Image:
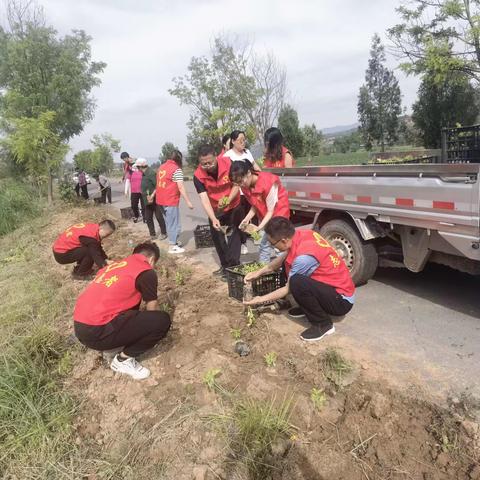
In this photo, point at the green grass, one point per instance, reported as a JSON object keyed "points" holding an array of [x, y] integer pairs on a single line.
{"points": [[250, 430], [335, 366], [18, 204]]}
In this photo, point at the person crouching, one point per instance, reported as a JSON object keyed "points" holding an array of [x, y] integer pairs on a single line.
{"points": [[318, 278], [82, 244], [107, 314]]}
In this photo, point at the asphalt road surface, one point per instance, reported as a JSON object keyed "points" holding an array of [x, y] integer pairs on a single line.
{"points": [[420, 326]]}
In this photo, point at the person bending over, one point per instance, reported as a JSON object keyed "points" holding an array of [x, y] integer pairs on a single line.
{"points": [[107, 314], [82, 244], [318, 278]]}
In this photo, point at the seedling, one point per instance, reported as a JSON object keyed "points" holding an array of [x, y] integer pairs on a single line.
{"points": [[271, 359], [318, 398], [210, 378], [166, 307], [251, 317], [335, 366], [181, 275], [224, 202], [236, 333], [248, 267], [256, 236]]}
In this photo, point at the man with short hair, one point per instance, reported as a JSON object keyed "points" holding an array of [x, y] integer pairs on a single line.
{"points": [[107, 314], [212, 182], [82, 244], [318, 278], [149, 186]]}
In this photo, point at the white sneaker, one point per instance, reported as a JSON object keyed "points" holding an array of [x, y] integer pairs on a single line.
{"points": [[175, 249], [130, 367], [244, 249]]}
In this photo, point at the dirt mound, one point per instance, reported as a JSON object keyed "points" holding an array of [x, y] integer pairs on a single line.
{"points": [[344, 424]]}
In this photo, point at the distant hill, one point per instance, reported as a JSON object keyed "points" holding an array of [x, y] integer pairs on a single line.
{"points": [[339, 130]]}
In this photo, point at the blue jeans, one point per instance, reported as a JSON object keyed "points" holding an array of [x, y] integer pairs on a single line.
{"points": [[172, 222], [266, 250]]}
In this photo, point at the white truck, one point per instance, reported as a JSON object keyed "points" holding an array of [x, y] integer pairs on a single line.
{"points": [[431, 211]]}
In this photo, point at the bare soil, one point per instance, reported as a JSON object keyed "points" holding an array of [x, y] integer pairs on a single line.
{"points": [[370, 428]]}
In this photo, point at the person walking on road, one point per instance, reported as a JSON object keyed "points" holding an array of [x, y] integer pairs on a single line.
{"points": [[82, 244], [318, 278], [127, 171], [169, 189], [149, 185], [221, 202], [267, 197], [136, 194], [276, 155], [107, 313], [83, 184]]}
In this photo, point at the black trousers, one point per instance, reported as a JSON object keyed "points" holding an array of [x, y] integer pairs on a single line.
{"points": [[318, 300], [228, 251], [246, 208], [77, 189], [84, 190], [80, 255], [107, 194], [157, 210], [135, 198], [133, 330]]}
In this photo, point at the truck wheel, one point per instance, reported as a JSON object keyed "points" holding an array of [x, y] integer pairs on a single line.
{"points": [[361, 257]]}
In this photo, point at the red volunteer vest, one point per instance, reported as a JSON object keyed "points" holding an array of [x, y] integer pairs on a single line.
{"points": [[167, 193], [332, 269], [111, 292], [221, 187], [258, 196], [70, 238], [278, 163]]}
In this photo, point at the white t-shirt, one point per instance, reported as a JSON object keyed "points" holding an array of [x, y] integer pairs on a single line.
{"points": [[236, 157]]}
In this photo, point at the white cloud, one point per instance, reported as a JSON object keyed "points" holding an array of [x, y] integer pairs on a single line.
{"points": [[323, 43]]}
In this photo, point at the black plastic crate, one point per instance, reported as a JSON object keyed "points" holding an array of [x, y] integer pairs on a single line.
{"points": [[202, 236], [126, 213], [260, 286]]}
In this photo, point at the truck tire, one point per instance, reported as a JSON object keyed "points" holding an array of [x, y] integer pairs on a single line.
{"points": [[361, 257]]}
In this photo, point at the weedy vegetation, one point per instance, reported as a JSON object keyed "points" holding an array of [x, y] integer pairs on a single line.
{"points": [[271, 359], [335, 366], [318, 398]]}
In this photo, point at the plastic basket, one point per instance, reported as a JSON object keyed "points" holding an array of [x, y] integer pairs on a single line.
{"points": [[261, 286], [202, 236]]}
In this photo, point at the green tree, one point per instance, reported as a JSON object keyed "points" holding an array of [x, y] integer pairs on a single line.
{"points": [[444, 104], [290, 127], [312, 141], [83, 160], [232, 89], [167, 150], [99, 159], [379, 101], [35, 145], [439, 37], [347, 143]]}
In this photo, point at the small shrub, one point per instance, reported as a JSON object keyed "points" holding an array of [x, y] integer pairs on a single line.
{"points": [[236, 333], [318, 398], [335, 366], [210, 377], [271, 359], [66, 191]]}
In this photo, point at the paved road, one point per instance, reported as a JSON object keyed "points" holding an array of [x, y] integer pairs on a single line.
{"points": [[422, 326]]}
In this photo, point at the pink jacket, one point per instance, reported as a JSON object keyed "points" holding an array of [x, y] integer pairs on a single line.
{"points": [[136, 181]]}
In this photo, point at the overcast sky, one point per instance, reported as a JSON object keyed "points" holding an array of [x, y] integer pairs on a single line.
{"points": [[324, 45]]}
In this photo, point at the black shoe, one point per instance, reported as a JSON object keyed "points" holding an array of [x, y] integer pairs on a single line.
{"points": [[85, 278], [220, 271], [296, 312], [315, 333], [135, 220]]}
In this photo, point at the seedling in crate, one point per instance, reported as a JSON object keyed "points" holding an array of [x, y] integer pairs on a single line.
{"points": [[248, 267], [251, 317], [271, 359], [236, 333], [224, 202], [318, 398]]}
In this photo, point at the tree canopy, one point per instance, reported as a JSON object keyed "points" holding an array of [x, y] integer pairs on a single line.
{"points": [[290, 127]]}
